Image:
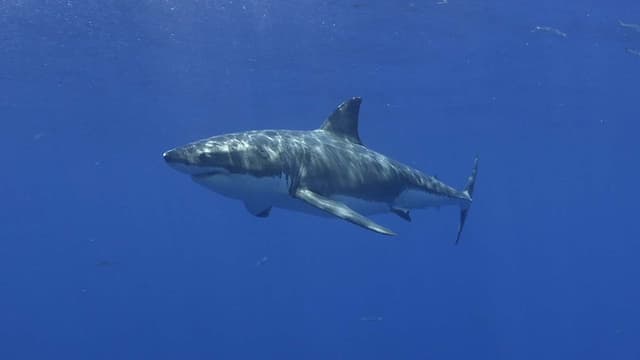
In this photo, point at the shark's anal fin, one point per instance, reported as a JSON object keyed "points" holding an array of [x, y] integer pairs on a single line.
{"points": [[258, 210], [403, 213], [339, 210]]}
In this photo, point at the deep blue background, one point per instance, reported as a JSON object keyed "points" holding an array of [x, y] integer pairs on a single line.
{"points": [[107, 253]]}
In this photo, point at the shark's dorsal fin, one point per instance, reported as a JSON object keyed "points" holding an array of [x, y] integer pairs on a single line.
{"points": [[344, 121]]}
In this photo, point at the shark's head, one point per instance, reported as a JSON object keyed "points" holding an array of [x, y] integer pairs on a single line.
{"points": [[201, 158], [221, 155]]}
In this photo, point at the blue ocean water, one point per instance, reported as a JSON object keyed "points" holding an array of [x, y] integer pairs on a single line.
{"points": [[107, 253]]}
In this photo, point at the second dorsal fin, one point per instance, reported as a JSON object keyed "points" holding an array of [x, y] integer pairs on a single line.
{"points": [[344, 120]]}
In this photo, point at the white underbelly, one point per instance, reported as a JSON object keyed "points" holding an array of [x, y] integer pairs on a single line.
{"points": [[274, 191], [418, 199], [246, 187]]}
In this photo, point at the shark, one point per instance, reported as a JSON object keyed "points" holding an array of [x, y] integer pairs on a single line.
{"points": [[327, 171], [635, 27]]}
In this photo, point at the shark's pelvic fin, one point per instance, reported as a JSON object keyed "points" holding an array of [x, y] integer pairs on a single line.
{"points": [[339, 209], [264, 213], [344, 120], [258, 210], [468, 189], [403, 213]]}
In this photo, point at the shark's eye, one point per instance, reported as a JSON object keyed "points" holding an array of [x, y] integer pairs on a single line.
{"points": [[213, 158]]}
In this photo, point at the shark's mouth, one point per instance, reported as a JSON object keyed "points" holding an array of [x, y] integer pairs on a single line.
{"points": [[209, 173]]}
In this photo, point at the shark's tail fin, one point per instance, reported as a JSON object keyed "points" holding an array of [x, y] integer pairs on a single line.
{"points": [[468, 190]]}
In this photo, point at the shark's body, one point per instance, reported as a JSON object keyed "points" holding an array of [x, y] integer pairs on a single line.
{"points": [[327, 171], [635, 27]]}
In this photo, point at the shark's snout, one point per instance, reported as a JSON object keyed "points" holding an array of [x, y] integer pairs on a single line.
{"points": [[178, 160], [192, 162], [175, 157], [172, 157]]}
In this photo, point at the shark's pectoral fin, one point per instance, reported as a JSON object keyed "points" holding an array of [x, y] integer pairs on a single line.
{"points": [[256, 209], [403, 213], [339, 209]]}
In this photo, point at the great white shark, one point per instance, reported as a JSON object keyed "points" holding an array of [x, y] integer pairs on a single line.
{"points": [[327, 171]]}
